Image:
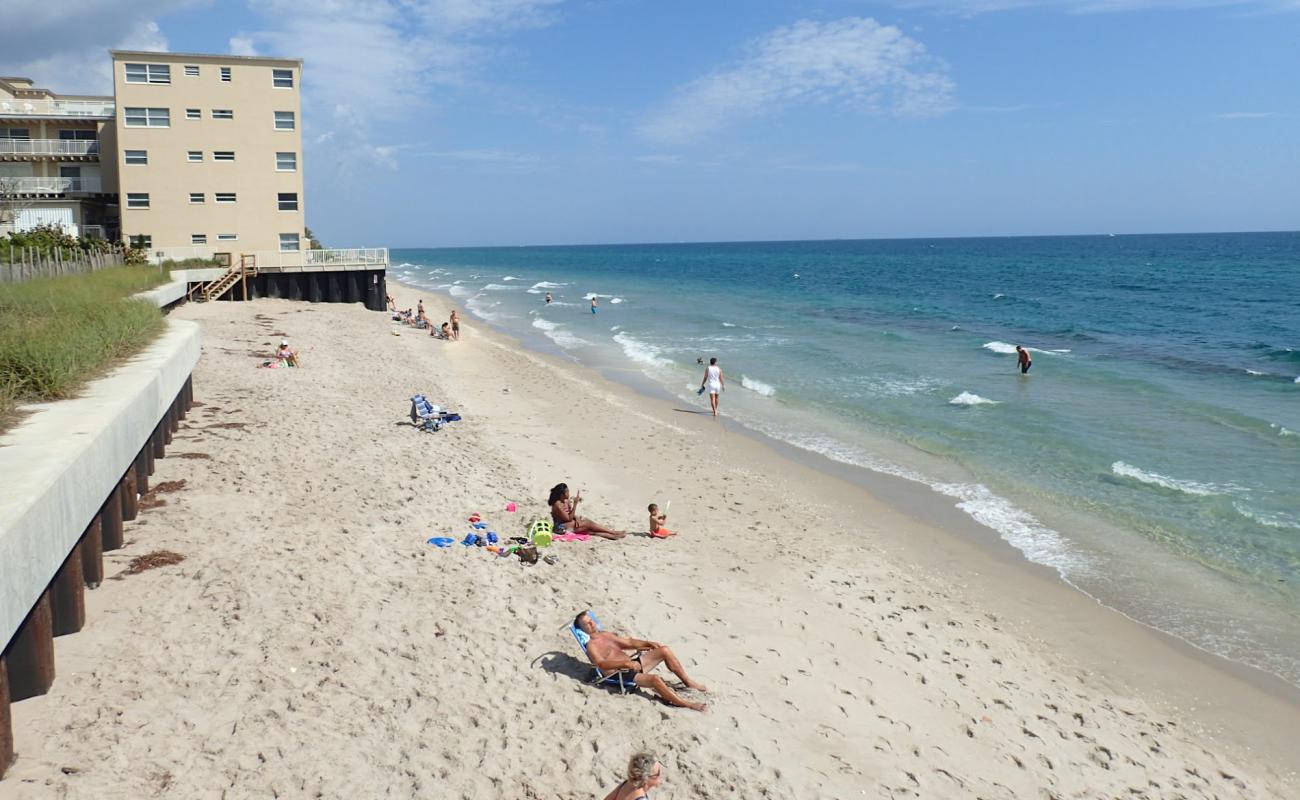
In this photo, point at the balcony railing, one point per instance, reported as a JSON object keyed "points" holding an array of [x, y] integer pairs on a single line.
{"points": [[26, 185], [292, 261], [49, 147], [56, 108]]}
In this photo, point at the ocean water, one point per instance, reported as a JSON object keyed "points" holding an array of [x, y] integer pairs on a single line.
{"points": [[1151, 456]]}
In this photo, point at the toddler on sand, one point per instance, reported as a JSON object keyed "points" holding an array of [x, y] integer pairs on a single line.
{"points": [[657, 528]]}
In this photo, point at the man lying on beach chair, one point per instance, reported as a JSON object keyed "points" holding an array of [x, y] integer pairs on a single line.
{"points": [[614, 667]]}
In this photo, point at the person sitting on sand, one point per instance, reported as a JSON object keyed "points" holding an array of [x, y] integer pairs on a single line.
{"points": [[644, 772], [566, 521], [657, 528], [442, 333], [609, 653], [288, 358]]}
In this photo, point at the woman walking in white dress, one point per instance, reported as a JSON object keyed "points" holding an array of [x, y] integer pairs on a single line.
{"points": [[714, 383]]}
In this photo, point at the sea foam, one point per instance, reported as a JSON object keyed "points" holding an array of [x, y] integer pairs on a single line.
{"points": [[641, 352], [1173, 484], [971, 399], [757, 386]]}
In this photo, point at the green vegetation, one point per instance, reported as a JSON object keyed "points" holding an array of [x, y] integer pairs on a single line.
{"points": [[192, 263], [43, 240], [58, 333]]}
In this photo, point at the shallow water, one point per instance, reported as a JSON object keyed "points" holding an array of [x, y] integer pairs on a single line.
{"points": [[1151, 456]]}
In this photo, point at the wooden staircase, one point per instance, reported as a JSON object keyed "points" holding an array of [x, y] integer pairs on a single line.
{"points": [[246, 268]]}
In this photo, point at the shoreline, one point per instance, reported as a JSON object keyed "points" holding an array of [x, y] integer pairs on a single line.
{"points": [[952, 528], [916, 500], [311, 642]]}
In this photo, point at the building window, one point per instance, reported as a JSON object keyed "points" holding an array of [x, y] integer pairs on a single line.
{"points": [[15, 133], [137, 157], [137, 117], [137, 200], [223, 155], [225, 74], [223, 113], [198, 238], [227, 237], [193, 113], [194, 156], [288, 243], [287, 201], [191, 70], [224, 197], [282, 78], [77, 134], [286, 162], [148, 73], [143, 241], [284, 121], [197, 197]]}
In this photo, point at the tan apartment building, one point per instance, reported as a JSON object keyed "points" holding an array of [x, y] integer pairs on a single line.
{"points": [[209, 153], [57, 161]]}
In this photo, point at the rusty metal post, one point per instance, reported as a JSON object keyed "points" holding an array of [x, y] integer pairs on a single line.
{"points": [[92, 553], [30, 656], [68, 595], [129, 486]]}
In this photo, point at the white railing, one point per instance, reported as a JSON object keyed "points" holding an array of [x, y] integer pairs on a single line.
{"points": [[300, 261], [56, 108], [26, 185], [49, 147]]}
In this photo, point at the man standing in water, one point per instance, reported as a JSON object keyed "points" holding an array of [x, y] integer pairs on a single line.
{"points": [[1023, 359], [593, 304], [713, 382], [548, 298]]}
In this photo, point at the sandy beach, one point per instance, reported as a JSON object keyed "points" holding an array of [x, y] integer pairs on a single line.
{"points": [[311, 644]]}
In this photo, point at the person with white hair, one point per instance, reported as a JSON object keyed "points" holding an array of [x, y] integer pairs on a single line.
{"points": [[288, 357], [644, 772]]}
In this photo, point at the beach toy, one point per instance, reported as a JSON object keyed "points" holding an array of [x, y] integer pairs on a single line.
{"points": [[469, 539], [474, 518], [494, 549], [441, 541], [491, 537], [511, 507], [541, 532], [478, 526]]}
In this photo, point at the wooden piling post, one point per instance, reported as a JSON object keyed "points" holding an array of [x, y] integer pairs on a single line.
{"points": [[6, 723], [30, 656], [68, 595], [158, 440], [129, 487], [92, 553], [112, 514]]}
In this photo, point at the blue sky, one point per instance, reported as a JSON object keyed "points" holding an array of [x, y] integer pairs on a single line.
{"points": [[502, 122]]}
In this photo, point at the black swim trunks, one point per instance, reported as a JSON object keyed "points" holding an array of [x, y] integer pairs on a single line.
{"points": [[1025, 367]]}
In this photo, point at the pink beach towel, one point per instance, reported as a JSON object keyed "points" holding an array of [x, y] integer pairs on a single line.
{"points": [[571, 537]]}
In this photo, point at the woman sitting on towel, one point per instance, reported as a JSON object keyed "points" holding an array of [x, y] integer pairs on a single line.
{"points": [[563, 514]]}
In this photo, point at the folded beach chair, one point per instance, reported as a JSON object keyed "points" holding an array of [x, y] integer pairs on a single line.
{"points": [[625, 680], [424, 415]]}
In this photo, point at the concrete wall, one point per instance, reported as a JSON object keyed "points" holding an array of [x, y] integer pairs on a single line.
{"points": [[61, 462]]}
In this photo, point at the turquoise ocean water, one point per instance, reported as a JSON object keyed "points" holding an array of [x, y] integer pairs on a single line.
{"points": [[1151, 456]]}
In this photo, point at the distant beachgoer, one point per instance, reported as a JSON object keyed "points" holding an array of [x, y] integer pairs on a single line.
{"points": [[420, 307], [548, 298], [288, 357], [713, 383], [608, 652], [455, 326], [644, 772], [657, 528], [593, 304], [392, 304], [1022, 356], [445, 331], [567, 521]]}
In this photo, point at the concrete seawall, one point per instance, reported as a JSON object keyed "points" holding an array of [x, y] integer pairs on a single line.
{"points": [[72, 471]]}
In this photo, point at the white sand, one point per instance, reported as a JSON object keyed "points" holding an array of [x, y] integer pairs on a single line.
{"points": [[312, 644]]}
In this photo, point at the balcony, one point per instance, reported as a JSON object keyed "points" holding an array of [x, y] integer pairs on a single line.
{"points": [[275, 261], [28, 186], [54, 148], [41, 109]]}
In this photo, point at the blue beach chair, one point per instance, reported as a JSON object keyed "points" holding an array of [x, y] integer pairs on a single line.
{"points": [[625, 680], [423, 414]]}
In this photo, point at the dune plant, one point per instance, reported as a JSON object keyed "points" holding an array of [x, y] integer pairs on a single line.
{"points": [[58, 333]]}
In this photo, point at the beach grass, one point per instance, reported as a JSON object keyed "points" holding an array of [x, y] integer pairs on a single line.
{"points": [[58, 333]]}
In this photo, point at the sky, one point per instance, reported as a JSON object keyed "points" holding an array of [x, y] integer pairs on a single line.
{"points": [[514, 122]]}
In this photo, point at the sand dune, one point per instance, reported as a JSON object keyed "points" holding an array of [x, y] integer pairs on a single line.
{"points": [[312, 644]]}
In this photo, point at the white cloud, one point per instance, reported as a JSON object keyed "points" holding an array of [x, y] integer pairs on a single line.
{"points": [[1248, 115], [55, 45], [242, 46], [972, 7], [854, 63]]}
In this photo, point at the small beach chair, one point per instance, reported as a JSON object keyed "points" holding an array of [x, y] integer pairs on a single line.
{"points": [[625, 680], [424, 415]]}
